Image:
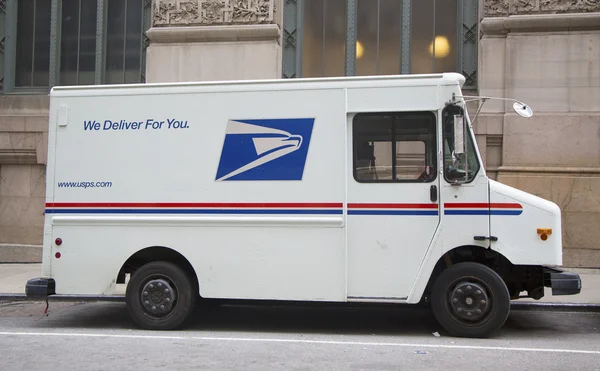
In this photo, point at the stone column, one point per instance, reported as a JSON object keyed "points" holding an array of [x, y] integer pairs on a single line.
{"points": [[194, 40], [547, 54]]}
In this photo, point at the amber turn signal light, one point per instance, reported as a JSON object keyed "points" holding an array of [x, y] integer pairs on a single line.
{"points": [[544, 232]]}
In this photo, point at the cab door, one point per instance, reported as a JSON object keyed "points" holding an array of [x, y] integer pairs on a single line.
{"points": [[393, 207]]}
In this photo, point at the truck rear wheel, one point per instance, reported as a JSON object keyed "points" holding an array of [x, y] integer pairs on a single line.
{"points": [[160, 296], [470, 300]]}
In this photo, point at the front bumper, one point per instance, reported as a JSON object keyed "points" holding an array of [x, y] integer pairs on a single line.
{"points": [[40, 288], [561, 282]]}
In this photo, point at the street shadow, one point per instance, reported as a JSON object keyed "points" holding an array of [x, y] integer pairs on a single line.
{"points": [[317, 319], [296, 318], [384, 320], [535, 323]]}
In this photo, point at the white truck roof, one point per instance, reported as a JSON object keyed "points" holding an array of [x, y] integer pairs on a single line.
{"points": [[450, 78]]}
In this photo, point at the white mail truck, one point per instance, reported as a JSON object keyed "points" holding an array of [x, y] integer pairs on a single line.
{"points": [[350, 189]]}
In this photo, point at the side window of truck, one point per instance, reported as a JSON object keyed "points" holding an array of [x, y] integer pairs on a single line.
{"points": [[394, 147], [462, 167]]}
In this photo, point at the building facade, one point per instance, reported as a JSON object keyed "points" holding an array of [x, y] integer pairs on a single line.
{"points": [[544, 52]]}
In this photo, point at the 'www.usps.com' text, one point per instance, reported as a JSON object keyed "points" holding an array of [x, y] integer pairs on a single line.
{"points": [[85, 184], [149, 124]]}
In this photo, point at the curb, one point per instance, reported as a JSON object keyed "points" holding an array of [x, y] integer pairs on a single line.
{"points": [[13, 297], [522, 306], [20, 254], [556, 307], [74, 298]]}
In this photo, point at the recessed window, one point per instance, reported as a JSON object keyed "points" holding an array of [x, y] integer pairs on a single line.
{"points": [[388, 37], [123, 41], [78, 60], [434, 44], [33, 43], [379, 32], [78, 42], [324, 38]]}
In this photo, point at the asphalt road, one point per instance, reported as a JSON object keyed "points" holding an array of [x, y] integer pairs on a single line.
{"points": [[100, 336]]}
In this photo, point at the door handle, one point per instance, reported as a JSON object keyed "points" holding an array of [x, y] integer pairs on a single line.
{"points": [[483, 238], [433, 193]]}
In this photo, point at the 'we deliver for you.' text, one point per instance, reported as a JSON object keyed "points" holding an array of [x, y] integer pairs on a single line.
{"points": [[149, 124]]}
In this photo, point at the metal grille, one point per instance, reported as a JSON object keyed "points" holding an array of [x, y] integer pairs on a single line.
{"points": [[351, 38], [146, 22], [2, 41], [100, 32], [468, 46], [292, 15], [405, 64]]}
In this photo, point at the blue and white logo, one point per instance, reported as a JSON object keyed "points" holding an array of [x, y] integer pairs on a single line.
{"points": [[270, 149]]}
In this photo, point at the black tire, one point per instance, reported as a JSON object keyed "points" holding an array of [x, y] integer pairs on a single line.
{"points": [[160, 296], [470, 288]]}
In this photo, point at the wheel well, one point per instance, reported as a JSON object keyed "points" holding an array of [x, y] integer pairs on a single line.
{"points": [[156, 253], [517, 278]]}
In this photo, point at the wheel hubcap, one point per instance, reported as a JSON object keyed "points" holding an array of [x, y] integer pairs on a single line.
{"points": [[158, 297], [469, 301]]}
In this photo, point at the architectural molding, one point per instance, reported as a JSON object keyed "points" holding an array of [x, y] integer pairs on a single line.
{"points": [[18, 156], [494, 140], [496, 8], [167, 35], [212, 12], [502, 8], [579, 171], [540, 23]]}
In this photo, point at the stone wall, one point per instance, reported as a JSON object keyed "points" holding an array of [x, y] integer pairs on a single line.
{"points": [[547, 54], [200, 40], [23, 151]]}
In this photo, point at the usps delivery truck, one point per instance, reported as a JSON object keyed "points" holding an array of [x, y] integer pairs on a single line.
{"points": [[353, 189]]}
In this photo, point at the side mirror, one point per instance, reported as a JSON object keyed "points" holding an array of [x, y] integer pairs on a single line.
{"points": [[522, 109], [459, 134]]}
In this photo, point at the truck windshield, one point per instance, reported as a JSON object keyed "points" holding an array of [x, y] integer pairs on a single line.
{"points": [[458, 167]]}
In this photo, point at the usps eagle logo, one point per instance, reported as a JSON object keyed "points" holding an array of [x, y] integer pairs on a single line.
{"points": [[269, 149]]}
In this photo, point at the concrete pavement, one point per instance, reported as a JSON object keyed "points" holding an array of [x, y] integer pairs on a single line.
{"points": [[14, 276], [100, 336]]}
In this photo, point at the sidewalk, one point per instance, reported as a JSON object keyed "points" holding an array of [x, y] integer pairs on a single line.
{"points": [[14, 276]]}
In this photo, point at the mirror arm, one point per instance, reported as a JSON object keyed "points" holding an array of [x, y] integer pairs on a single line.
{"points": [[519, 107], [478, 110]]}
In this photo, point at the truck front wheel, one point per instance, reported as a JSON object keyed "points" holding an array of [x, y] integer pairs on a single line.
{"points": [[160, 296], [470, 300]]}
